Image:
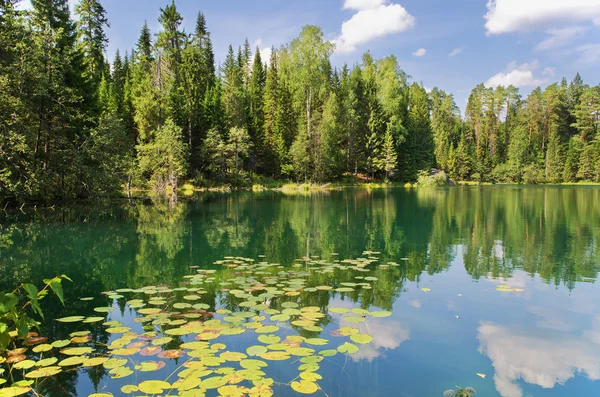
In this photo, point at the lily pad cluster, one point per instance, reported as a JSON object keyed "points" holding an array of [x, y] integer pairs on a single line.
{"points": [[266, 303]]}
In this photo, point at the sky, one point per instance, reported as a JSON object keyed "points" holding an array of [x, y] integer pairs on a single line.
{"points": [[450, 44]]}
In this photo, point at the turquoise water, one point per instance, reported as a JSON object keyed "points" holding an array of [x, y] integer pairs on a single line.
{"points": [[495, 281]]}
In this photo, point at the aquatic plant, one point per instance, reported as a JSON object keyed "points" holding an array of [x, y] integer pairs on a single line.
{"points": [[460, 392], [16, 308], [272, 306]]}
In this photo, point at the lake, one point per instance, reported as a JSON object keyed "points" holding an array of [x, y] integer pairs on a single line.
{"points": [[384, 292]]}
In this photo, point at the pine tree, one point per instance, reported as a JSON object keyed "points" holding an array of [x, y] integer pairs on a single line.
{"points": [[274, 146], [388, 158], [417, 152], [332, 134], [118, 83], [143, 52], [233, 91], [62, 96], [92, 37], [255, 112]]}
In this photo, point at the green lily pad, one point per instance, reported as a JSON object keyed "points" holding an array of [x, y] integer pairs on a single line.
{"points": [[113, 363], [362, 339], [348, 348], [89, 320], [328, 353], [317, 341], [380, 314], [267, 329], [71, 319], [269, 339], [338, 310], [59, 344], [120, 372], [104, 309], [256, 350]]}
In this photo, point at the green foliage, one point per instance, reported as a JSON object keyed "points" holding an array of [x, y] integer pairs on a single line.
{"points": [[164, 161], [305, 119], [429, 179], [19, 307]]}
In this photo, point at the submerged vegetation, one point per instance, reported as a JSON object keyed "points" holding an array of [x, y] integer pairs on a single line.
{"points": [[161, 115]]}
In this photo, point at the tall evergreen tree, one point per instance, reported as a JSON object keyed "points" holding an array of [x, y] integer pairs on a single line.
{"points": [[91, 26], [255, 112]]}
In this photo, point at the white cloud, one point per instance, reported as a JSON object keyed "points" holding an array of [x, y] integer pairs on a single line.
{"points": [[363, 4], [373, 23], [549, 71], [456, 51], [265, 55], [544, 359], [506, 16], [421, 52], [517, 75], [559, 37]]}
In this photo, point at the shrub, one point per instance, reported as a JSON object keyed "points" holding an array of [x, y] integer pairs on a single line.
{"points": [[427, 179]]}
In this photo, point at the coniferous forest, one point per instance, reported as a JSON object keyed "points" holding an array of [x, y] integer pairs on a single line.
{"points": [[74, 125]]}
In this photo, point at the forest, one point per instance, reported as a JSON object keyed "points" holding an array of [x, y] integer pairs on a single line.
{"points": [[74, 124]]}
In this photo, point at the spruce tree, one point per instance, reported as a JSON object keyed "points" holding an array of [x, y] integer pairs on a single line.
{"points": [[91, 26]]}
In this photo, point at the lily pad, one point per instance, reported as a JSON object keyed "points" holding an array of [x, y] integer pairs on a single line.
{"points": [[275, 356], [305, 387], [348, 348], [380, 314], [71, 319], [43, 372], [362, 339], [76, 351], [154, 386]]}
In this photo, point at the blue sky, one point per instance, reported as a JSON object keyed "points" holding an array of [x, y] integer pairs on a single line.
{"points": [[450, 44]]}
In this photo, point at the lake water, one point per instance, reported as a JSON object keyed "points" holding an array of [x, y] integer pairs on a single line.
{"points": [[488, 287]]}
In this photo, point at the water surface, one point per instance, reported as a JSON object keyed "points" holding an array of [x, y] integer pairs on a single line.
{"points": [[498, 281]]}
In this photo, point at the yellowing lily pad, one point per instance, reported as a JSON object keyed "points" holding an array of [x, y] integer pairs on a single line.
{"points": [[305, 387], [154, 386], [76, 351], [71, 361], [42, 348], [14, 391], [275, 356], [43, 372]]}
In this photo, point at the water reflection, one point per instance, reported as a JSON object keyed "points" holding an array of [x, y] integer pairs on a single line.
{"points": [[549, 235], [543, 359]]}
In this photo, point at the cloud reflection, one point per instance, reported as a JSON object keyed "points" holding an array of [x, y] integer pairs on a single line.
{"points": [[387, 335], [542, 359]]}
